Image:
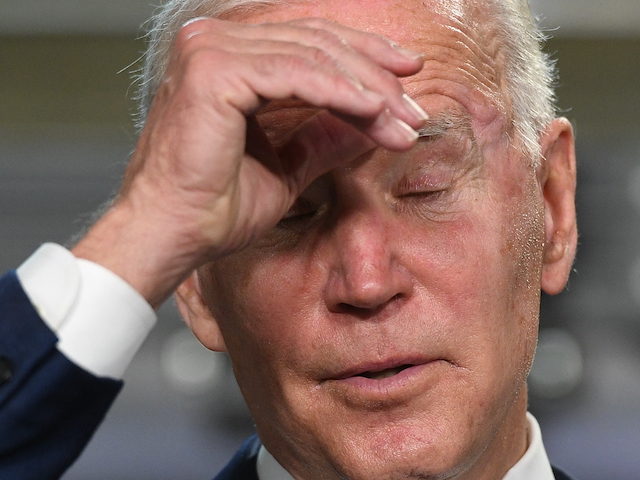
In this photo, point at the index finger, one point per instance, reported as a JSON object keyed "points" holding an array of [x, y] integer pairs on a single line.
{"points": [[387, 53]]}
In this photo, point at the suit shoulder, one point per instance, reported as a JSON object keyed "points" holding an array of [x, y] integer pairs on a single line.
{"points": [[243, 464], [560, 475]]}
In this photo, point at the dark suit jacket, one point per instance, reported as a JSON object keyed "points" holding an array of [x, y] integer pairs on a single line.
{"points": [[50, 407], [560, 475]]}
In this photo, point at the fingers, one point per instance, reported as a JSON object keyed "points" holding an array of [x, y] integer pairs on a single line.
{"points": [[386, 53], [318, 145], [333, 52], [318, 32], [204, 173], [282, 77], [352, 73]]}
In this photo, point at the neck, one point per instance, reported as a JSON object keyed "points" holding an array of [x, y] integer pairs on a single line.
{"points": [[509, 444]]}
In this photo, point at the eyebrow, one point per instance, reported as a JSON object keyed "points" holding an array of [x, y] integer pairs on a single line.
{"points": [[454, 121], [443, 123]]}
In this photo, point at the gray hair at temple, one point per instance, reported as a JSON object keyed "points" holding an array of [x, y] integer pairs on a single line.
{"points": [[528, 72]]}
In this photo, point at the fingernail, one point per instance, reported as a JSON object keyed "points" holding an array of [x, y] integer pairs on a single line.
{"points": [[410, 54], [405, 130], [416, 109], [193, 20]]}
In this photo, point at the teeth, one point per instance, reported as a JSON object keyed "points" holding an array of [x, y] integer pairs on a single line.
{"points": [[390, 372]]}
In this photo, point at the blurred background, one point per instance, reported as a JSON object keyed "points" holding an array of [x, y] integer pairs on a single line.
{"points": [[65, 135]]}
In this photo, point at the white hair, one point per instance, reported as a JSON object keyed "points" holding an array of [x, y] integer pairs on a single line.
{"points": [[528, 73], [163, 27]]}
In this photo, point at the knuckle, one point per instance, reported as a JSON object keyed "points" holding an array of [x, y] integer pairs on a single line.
{"points": [[326, 39], [193, 29], [320, 32], [341, 82], [188, 31], [313, 22], [197, 59], [196, 20], [319, 56], [201, 63], [334, 85], [283, 62]]}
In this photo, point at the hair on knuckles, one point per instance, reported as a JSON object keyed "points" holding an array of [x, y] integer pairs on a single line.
{"points": [[529, 73]]}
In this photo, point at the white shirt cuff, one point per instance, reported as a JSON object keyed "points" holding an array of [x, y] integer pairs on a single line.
{"points": [[100, 320], [51, 279]]}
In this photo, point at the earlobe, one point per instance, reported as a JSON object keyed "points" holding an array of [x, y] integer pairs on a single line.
{"points": [[558, 184], [197, 314]]}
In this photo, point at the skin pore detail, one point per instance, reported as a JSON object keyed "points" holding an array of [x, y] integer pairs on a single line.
{"points": [[426, 178], [374, 275], [425, 184], [460, 43], [401, 328]]}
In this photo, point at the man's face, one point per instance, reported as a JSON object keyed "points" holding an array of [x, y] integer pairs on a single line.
{"points": [[386, 328]]}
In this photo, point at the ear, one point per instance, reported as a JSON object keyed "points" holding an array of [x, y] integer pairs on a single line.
{"points": [[197, 314], [557, 178]]}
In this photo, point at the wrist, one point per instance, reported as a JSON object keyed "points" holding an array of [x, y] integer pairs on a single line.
{"points": [[143, 247]]}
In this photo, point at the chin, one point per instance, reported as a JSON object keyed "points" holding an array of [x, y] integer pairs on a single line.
{"points": [[419, 463], [418, 450]]}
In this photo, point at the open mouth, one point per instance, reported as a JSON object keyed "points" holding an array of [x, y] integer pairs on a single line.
{"points": [[382, 374], [375, 385]]}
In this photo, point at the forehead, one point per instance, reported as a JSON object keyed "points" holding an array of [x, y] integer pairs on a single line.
{"points": [[399, 20], [462, 56]]}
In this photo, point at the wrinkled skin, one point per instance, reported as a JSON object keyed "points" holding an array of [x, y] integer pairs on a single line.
{"points": [[433, 258]]}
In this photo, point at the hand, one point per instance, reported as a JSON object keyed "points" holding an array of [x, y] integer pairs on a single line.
{"points": [[204, 179]]}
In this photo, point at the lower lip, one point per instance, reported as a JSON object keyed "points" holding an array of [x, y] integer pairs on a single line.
{"points": [[386, 388]]}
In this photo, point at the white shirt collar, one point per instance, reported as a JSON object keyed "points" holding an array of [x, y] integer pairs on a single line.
{"points": [[534, 465], [269, 468]]}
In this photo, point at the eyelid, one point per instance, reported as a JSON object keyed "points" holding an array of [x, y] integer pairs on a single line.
{"points": [[300, 207], [422, 183]]}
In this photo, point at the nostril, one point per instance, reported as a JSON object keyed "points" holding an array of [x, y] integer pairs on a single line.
{"points": [[353, 310], [366, 289], [362, 310]]}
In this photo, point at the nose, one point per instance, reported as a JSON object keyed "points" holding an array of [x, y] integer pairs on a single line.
{"points": [[367, 273]]}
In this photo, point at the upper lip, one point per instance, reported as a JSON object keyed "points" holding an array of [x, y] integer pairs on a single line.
{"points": [[379, 366]]}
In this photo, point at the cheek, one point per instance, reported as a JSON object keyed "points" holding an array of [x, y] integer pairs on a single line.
{"points": [[516, 268], [261, 306], [482, 272], [266, 315]]}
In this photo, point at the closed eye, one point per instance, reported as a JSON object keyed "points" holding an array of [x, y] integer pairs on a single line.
{"points": [[300, 211], [427, 186], [424, 194]]}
